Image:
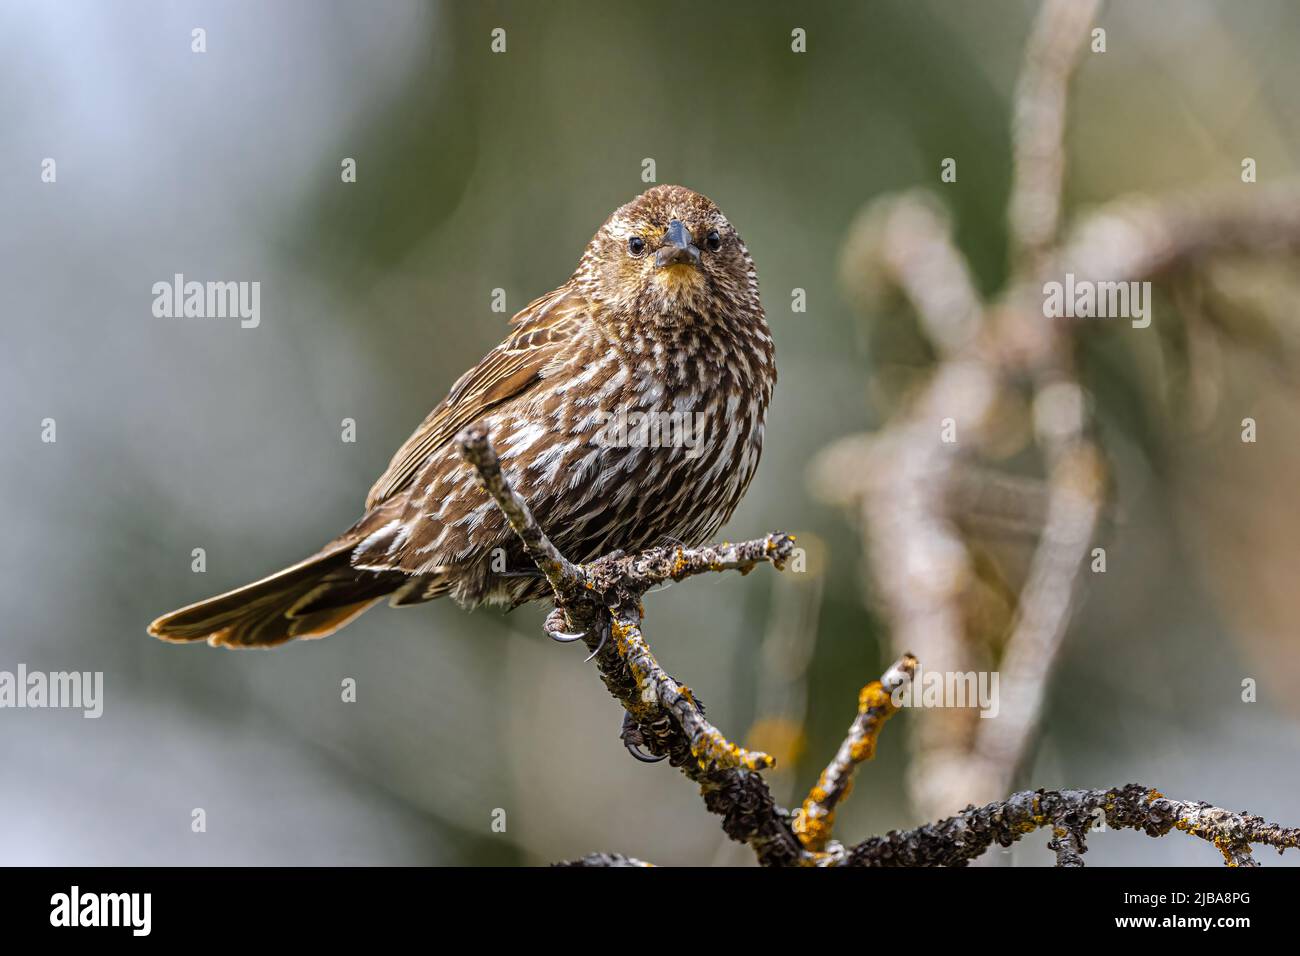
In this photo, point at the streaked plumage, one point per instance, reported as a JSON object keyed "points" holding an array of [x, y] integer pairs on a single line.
{"points": [[675, 328]]}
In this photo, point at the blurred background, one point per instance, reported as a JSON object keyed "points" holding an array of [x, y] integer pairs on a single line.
{"points": [[478, 171]]}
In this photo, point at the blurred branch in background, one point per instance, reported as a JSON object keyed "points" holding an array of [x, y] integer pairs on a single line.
{"points": [[912, 480], [781, 694]]}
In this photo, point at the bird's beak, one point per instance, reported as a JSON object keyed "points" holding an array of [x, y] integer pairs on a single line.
{"points": [[677, 248]]}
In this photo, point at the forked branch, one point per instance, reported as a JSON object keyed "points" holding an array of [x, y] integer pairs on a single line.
{"points": [[667, 719], [663, 716]]}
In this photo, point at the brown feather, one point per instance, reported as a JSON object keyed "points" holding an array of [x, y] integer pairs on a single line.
{"points": [[622, 337], [509, 369]]}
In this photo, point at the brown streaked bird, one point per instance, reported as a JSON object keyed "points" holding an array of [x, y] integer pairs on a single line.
{"points": [[661, 318]]}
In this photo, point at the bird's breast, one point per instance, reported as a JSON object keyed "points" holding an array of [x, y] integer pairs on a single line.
{"points": [[642, 444]]}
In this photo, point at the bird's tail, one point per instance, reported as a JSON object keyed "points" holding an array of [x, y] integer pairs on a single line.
{"points": [[313, 598]]}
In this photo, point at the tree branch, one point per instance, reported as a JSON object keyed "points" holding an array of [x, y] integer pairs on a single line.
{"points": [[565, 578], [815, 820], [1071, 813], [667, 719]]}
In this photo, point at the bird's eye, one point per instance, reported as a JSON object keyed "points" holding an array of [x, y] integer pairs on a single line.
{"points": [[636, 245], [713, 241]]}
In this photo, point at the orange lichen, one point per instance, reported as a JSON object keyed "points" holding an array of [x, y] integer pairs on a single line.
{"points": [[1222, 843], [814, 821], [875, 697], [813, 827], [863, 750], [622, 634], [712, 749]]}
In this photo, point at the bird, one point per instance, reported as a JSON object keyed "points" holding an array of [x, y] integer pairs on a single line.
{"points": [[627, 408]]}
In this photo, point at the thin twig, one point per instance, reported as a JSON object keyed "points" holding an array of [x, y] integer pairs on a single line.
{"points": [[564, 577], [816, 819], [708, 746]]}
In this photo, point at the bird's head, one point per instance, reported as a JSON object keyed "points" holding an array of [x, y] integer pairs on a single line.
{"points": [[669, 255]]}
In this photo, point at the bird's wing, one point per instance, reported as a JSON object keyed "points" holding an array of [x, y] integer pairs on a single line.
{"points": [[541, 331]]}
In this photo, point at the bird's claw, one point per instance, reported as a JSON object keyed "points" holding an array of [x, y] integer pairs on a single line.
{"points": [[604, 636], [633, 739], [554, 627], [642, 756], [557, 621]]}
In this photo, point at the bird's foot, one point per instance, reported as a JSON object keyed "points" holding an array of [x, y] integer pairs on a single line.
{"points": [[634, 740], [557, 621], [555, 625]]}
